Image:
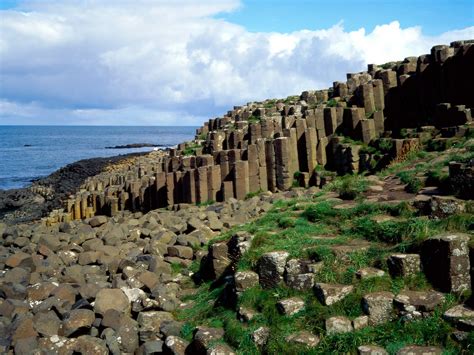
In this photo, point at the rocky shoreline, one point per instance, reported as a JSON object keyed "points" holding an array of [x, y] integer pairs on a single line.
{"points": [[36, 201], [335, 221]]}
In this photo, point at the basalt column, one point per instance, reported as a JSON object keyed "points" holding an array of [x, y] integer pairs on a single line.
{"points": [[282, 162]]}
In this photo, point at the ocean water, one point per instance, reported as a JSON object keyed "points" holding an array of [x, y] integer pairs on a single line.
{"points": [[52, 147]]}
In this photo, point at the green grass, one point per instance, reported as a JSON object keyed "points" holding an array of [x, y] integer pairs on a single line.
{"points": [[310, 227], [349, 186]]}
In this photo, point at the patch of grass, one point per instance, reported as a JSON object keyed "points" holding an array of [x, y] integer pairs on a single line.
{"points": [[349, 186]]}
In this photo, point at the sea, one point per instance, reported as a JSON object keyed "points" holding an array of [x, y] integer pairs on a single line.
{"points": [[31, 152]]}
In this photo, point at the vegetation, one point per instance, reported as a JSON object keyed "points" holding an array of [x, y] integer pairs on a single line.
{"points": [[316, 227]]}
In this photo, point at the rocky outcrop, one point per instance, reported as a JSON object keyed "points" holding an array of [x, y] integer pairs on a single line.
{"points": [[274, 144]]}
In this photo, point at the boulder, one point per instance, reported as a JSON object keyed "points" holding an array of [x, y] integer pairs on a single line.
{"points": [[303, 338], [360, 322], [244, 280], [290, 306], [337, 325], [260, 336], [403, 265], [204, 337], [378, 306], [77, 319], [109, 298], [97, 221], [271, 267], [446, 262], [180, 251], [329, 294], [175, 345]]}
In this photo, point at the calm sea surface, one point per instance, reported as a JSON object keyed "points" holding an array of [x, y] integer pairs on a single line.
{"points": [[52, 147]]}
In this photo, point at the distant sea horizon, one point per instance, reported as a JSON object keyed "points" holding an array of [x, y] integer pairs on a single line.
{"points": [[30, 152]]}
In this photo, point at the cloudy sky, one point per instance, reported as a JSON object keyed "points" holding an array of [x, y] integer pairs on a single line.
{"points": [[179, 62]]}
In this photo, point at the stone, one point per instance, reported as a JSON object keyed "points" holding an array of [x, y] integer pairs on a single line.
{"points": [[204, 337], [338, 325], [420, 350], [97, 221], [371, 350], [271, 267], [423, 301], [180, 251], [175, 345], [446, 264], [329, 294], [360, 322], [111, 299], [152, 347], [290, 306], [245, 314], [461, 316], [244, 280], [304, 338], [403, 265], [150, 322], [77, 319], [378, 306], [47, 324], [260, 336], [220, 349], [444, 206], [369, 272]]}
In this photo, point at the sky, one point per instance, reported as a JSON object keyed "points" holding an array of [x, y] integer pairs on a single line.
{"points": [[181, 62]]}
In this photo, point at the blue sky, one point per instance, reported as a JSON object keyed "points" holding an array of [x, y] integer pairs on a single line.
{"points": [[435, 16], [159, 62]]}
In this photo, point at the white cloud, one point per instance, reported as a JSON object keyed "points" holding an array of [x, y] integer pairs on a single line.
{"points": [[162, 62]]}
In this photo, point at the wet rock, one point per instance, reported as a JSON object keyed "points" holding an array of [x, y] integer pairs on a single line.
{"points": [[337, 325], [403, 265], [290, 306], [260, 336], [371, 350], [329, 294], [420, 350], [244, 280], [378, 306], [271, 267], [111, 299]]}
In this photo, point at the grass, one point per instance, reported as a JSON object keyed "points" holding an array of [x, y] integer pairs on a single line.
{"points": [[349, 186], [310, 227]]}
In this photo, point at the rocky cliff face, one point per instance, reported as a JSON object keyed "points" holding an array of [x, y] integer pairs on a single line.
{"points": [[274, 144]]}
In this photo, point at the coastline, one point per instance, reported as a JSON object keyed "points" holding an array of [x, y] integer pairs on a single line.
{"points": [[32, 202]]}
